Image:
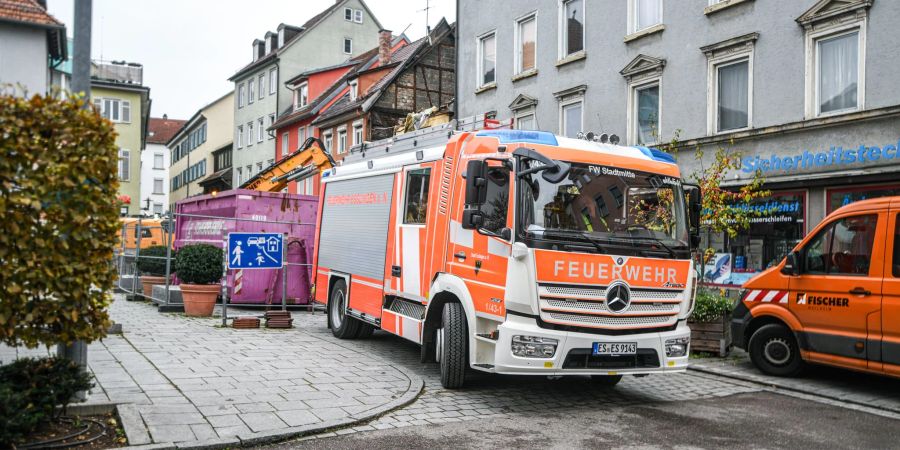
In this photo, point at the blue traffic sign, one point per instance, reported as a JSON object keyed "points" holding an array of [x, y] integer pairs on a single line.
{"points": [[255, 250]]}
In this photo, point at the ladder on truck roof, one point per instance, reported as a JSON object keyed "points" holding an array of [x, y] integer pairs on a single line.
{"points": [[437, 135]]}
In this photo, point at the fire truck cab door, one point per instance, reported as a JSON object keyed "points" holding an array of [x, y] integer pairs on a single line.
{"points": [[838, 292], [480, 257]]}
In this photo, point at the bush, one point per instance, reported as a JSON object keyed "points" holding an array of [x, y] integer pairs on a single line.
{"points": [[710, 306], [153, 266], [30, 391], [60, 220], [199, 264]]}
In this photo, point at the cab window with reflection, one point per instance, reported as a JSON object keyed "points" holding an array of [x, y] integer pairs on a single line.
{"points": [[416, 196], [843, 247], [496, 206]]}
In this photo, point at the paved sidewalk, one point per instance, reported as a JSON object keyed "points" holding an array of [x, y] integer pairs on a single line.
{"points": [[837, 384], [192, 382]]}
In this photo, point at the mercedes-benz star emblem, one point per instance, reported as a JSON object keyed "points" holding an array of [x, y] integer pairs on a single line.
{"points": [[618, 297]]}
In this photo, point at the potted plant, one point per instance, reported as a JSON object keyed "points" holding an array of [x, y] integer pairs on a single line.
{"points": [[153, 268], [199, 267], [711, 322]]}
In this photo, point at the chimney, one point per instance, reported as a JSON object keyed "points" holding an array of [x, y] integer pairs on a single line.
{"points": [[42, 4], [384, 46], [165, 117]]}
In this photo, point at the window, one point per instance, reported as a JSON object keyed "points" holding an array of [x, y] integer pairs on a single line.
{"points": [[570, 118], [837, 73], [251, 91], [262, 85], [249, 134], [646, 117], [259, 167], [241, 96], [526, 121], [354, 89], [158, 186], [240, 176], [843, 247], [240, 136], [496, 205], [348, 14], [270, 162], [645, 14], [158, 208], [301, 136], [732, 93], [571, 27], [896, 260], [302, 95], [526, 43], [273, 80], [342, 141], [124, 165], [269, 125], [285, 139], [348, 45], [249, 171], [487, 59], [416, 208], [159, 161], [327, 138], [114, 109], [358, 16], [357, 133], [259, 130]]}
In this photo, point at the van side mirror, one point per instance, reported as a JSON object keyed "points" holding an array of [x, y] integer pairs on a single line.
{"points": [[472, 219], [476, 182], [791, 265]]}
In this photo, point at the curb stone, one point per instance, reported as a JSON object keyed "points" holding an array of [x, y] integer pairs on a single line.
{"points": [[210, 444], [163, 446]]}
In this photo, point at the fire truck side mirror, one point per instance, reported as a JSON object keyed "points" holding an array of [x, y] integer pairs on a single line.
{"points": [[472, 219], [695, 206], [476, 182]]}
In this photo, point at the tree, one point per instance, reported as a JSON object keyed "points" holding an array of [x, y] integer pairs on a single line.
{"points": [[59, 212]]}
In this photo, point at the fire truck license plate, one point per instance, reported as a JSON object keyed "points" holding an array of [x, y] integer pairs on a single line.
{"points": [[619, 348]]}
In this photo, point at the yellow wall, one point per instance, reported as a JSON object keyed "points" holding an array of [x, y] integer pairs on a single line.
{"points": [[129, 138], [219, 117]]}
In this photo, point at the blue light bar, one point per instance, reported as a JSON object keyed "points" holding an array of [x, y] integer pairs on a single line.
{"points": [[510, 136], [657, 154]]}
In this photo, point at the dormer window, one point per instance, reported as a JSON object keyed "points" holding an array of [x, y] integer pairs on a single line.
{"points": [[268, 45], [301, 96], [354, 89], [281, 38]]}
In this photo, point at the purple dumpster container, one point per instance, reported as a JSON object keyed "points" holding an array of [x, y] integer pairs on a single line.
{"points": [[208, 219]]}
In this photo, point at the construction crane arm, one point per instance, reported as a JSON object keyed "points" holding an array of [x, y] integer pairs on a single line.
{"points": [[310, 159]]}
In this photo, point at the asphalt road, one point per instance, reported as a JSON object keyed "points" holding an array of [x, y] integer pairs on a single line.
{"points": [[753, 420]]}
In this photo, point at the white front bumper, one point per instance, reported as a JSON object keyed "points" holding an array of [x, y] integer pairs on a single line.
{"points": [[506, 363]]}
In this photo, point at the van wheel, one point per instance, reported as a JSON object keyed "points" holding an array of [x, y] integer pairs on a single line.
{"points": [[451, 346], [774, 350], [342, 326], [606, 380]]}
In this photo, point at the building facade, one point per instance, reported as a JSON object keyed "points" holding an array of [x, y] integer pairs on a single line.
{"points": [[29, 39], [118, 94], [802, 91], [192, 147], [345, 29], [155, 165]]}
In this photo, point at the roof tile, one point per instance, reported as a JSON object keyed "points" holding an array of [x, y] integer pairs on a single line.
{"points": [[28, 11]]}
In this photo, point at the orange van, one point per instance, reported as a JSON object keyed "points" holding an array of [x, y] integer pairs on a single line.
{"points": [[151, 233], [835, 299]]}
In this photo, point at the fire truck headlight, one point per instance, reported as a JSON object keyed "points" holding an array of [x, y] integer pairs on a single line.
{"points": [[533, 346], [677, 347]]}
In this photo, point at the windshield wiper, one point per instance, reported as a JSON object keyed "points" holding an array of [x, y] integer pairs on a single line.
{"points": [[654, 240], [574, 233]]}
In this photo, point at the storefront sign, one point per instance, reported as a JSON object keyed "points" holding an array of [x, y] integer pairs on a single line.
{"points": [[808, 161]]}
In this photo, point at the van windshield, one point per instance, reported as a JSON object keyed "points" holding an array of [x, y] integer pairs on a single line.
{"points": [[606, 207]]}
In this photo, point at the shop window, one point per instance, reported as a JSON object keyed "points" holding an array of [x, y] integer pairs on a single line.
{"points": [[843, 247], [844, 196], [416, 196]]}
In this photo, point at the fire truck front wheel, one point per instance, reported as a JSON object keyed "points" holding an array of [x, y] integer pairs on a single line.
{"points": [[342, 326], [451, 346], [774, 350]]}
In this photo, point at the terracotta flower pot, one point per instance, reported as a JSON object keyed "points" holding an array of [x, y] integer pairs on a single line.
{"points": [[147, 283], [199, 299]]}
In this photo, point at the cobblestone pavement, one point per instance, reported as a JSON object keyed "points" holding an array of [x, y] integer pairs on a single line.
{"points": [[191, 380], [838, 384]]}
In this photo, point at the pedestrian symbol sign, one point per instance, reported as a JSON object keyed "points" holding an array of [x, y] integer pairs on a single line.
{"points": [[255, 250]]}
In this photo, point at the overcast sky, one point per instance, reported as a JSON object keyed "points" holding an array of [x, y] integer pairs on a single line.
{"points": [[190, 47]]}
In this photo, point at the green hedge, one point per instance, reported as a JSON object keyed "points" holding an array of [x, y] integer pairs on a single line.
{"points": [[199, 264], [710, 306], [152, 265], [30, 391], [60, 216]]}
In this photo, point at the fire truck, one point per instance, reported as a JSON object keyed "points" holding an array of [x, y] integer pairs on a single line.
{"points": [[511, 252]]}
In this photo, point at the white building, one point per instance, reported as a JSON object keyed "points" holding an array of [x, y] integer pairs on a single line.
{"points": [[155, 165]]}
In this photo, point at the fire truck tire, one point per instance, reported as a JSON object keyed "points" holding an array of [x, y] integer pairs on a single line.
{"points": [[452, 346], [606, 380], [774, 350], [365, 331], [342, 325]]}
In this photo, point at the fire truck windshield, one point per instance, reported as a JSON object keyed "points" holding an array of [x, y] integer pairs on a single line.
{"points": [[614, 210]]}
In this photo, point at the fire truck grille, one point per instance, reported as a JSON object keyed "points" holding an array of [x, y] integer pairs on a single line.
{"points": [[584, 306]]}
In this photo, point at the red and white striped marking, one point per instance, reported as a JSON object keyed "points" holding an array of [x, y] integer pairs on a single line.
{"points": [[238, 281], [766, 296]]}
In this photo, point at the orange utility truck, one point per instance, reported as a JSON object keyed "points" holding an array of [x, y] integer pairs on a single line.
{"points": [[835, 299], [513, 252]]}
